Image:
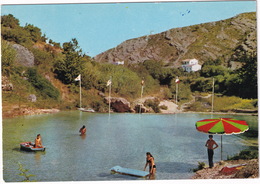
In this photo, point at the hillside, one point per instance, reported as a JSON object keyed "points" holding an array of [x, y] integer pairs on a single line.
{"points": [[38, 73], [225, 40]]}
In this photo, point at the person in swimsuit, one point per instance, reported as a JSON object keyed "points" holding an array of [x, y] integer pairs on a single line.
{"points": [[38, 141], [150, 161], [82, 130], [210, 145]]}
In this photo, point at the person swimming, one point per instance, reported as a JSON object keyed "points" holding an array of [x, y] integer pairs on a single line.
{"points": [[82, 130]]}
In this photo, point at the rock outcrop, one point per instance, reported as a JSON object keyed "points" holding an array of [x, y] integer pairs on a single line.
{"points": [[6, 84], [119, 104], [24, 56]]}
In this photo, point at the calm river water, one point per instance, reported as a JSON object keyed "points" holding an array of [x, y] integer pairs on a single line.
{"points": [[118, 139]]}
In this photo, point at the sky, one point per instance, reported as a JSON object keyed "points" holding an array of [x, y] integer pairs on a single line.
{"points": [[102, 26]]}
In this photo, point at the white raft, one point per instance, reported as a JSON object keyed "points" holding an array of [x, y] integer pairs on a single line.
{"points": [[127, 171]]}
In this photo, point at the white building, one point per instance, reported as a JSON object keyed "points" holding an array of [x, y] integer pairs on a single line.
{"points": [[191, 65], [119, 63]]}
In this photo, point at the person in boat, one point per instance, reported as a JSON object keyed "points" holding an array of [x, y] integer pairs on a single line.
{"points": [[82, 130], [38, 141], [210, 145], [150, 162]]}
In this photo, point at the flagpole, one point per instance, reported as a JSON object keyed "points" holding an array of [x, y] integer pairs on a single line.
{"points": [[212, 106], [140, 110], [80, 94], [142, 90], [177, 91], [79, 79], [109, 103]]}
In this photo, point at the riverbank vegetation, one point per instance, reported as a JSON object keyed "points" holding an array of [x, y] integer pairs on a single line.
{"points": [[52, 77]]}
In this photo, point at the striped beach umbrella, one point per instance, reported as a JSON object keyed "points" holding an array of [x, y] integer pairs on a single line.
{"points": [[222, 126]]}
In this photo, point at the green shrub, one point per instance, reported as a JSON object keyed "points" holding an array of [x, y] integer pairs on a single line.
{"points": [[8, 57], [164, 107], [201, 165], [154, 104], [245, 154], [42, 85]]}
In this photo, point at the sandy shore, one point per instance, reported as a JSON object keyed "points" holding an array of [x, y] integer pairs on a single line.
{"points": [[171, 107]]}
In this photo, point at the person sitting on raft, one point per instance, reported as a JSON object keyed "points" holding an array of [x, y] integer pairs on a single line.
{"points": [[82, 130], [38, 141]]}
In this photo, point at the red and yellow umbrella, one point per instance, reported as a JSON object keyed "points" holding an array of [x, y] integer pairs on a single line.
{"points": [[222, 126]]}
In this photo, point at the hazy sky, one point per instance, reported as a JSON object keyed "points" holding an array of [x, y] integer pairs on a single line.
{"points": [[99, 27]]}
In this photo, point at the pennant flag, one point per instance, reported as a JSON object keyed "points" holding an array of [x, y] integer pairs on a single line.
{"points": [[177, 81], [78, 78], [142, 83], [109, 82]]}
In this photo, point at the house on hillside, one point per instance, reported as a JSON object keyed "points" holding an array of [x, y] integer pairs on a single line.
{"points": [[191, 65], [119, 62]]}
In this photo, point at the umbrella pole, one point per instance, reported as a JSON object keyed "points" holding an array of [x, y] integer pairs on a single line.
{"points": [[221, 147]]}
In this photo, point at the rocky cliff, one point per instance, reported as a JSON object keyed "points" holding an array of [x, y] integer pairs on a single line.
{"points": [[225, 40]]}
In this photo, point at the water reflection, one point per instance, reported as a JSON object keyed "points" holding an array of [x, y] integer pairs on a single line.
{"points": [[83, 136], [37, 156]]}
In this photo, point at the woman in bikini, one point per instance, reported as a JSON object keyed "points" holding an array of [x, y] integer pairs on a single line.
{"points": [[150, 161]]}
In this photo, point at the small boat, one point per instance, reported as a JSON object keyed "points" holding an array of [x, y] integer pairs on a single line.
{"points": [[29, 146], [87, 110]]}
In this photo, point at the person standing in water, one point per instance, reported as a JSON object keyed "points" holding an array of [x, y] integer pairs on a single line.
{"points": [[38, 141], [150, 161], [82, 130], [210, 145]]}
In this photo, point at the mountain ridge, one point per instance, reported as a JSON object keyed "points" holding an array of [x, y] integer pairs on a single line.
{"points": [[224, 40]]}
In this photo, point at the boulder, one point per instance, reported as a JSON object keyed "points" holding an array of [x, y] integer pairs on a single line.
{"points": [[119, 104], [143, 109], [24, 56], [32, 98]]}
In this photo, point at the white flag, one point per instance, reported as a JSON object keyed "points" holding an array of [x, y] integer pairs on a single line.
{"points": [[177, 81], [109, 82], [142, 82], [78, 78]]}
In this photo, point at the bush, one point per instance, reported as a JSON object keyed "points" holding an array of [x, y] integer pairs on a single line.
{"points": [[226, 103], [164, 107], [201, 165], [154, 104], [42, 85], [245, 154], [8, 57]]}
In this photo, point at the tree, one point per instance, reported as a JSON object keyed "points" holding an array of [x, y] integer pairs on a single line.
{"points": [[69, 67], [158, 72], [8, 57], [35, 32], [9, 21], [248, 76]]}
